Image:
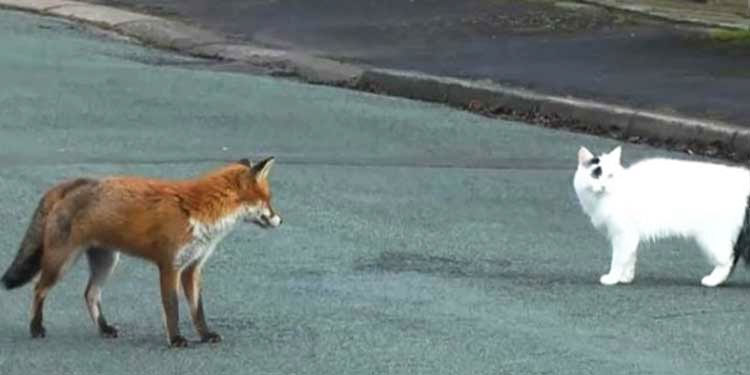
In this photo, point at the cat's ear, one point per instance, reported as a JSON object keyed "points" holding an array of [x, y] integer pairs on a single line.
{"points": [[616, 154], [584, 155]]}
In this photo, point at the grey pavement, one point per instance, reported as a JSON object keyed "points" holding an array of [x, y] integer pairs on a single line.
{"points": [[563, 49], [417, 239]]}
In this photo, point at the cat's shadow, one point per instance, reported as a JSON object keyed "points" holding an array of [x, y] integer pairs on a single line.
{"points": [[655, 281], [592, 280]]}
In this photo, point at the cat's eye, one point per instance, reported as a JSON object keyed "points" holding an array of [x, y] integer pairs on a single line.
{"points": [[597, 172]]}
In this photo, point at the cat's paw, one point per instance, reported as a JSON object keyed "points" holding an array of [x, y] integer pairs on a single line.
{"points": [[711, 281], [609, 279], [627, 279]]}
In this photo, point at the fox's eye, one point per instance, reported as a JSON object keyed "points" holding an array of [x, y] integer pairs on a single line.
{"points": [[610, 175]]}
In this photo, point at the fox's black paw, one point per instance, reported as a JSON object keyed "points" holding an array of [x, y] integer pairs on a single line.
{"points": [[38, 331], [108, 331], [178, 342], [211, 337]]}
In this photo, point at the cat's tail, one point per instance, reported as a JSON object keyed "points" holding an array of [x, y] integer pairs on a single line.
{"points": [[742, 245]]}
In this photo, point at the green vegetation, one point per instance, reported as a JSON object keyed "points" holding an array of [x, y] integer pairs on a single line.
{"points": [[731, 36]]}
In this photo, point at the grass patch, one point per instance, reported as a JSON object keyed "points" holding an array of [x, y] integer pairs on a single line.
{"points": [[731, 36]]}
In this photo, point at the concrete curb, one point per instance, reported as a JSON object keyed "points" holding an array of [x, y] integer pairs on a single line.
{"points": [[484, 97], [193, 40], [738, 23], [622, 122]]}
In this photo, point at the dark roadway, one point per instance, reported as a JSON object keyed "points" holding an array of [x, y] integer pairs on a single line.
{"points": [[584, 52]]}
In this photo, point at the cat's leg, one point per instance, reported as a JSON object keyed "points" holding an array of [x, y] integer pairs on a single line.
{"points": [[721, 254], [629, 269], [624, 254]]}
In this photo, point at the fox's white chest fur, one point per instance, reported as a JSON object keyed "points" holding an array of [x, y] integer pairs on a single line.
{"points": [[205, 237], [658, 198]]}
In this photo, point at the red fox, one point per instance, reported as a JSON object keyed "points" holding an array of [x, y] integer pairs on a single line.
{"points": [[174, 224]]}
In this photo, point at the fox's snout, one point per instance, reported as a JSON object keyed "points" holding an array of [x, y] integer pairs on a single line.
{"points": [[273, 220], [266, 218], [268, 221]]}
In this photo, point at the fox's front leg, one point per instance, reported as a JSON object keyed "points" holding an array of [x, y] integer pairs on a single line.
{"points": [[624, 252], [191, 285], [170, 283]]}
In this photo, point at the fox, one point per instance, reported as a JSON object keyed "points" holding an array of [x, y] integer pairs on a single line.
{"points": [[174, 224]]}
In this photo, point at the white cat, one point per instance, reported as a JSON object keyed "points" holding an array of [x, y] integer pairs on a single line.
{"points": [[657, 198]]}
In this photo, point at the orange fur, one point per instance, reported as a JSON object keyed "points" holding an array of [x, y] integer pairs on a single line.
{"points": [[174, 224], [149, 218]]}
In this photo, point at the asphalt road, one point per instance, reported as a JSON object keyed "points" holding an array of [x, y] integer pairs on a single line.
{"points": [[417, 239], [563, 50]]}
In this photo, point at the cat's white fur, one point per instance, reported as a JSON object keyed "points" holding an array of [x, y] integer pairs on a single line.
{"points": [[657, 198]]}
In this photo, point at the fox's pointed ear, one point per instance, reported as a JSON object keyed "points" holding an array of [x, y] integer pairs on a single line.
{"points": [[245, 162], [584, 155], [260, 170], [616, 153]]}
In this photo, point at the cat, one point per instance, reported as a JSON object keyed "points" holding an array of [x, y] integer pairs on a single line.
{"points": [[660, 198]]}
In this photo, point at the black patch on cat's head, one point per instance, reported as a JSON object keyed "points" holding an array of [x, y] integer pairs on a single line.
{"points": [[593, 161], [597, 172]]}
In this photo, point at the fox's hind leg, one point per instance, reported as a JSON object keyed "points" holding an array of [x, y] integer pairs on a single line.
{"points": [[42, 287], [63, 240], [101, 263], [55, 261]]}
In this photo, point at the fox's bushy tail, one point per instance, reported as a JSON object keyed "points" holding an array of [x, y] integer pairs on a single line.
{"points": [[27, 262]]}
